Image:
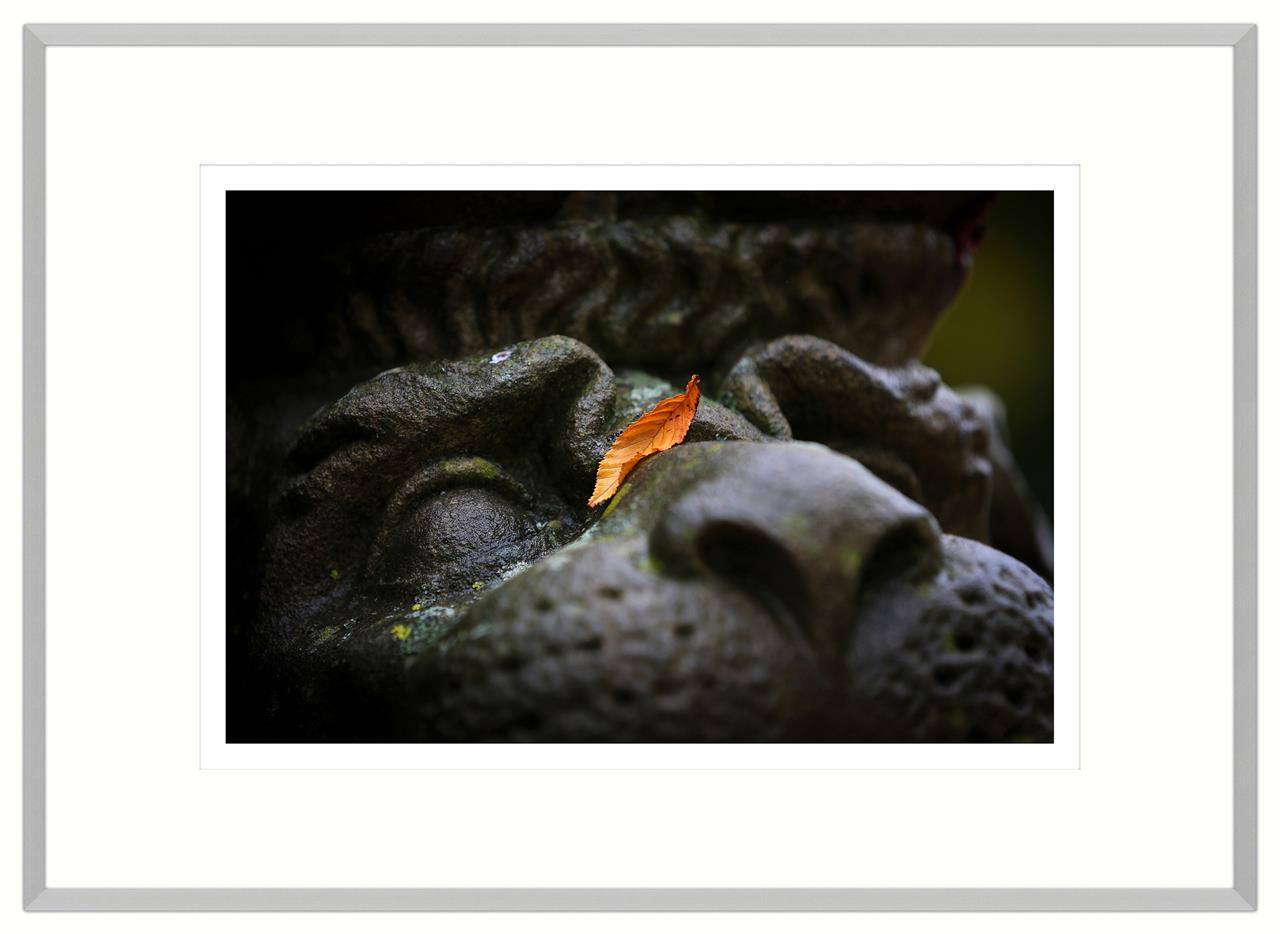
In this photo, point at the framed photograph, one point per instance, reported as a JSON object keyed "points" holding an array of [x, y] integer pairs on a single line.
{"points": [[807, 296], [640, 488]]}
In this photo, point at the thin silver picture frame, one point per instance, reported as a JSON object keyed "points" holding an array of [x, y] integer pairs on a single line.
{"points": [[1241, 896]]}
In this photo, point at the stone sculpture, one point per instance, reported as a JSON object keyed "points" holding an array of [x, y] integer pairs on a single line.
{"points": [[841, 550]]}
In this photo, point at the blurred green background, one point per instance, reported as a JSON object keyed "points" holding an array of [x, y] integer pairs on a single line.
{"points": [[999, 332]]}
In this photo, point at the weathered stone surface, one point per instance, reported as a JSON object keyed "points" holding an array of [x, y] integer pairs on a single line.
{"points": [[527, 423], [667, 294], [425, 486], [751, 592], [900, 422], [966, 657], [737, 589]]}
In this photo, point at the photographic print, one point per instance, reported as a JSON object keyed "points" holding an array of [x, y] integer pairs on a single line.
{"points": [[639, 466]]}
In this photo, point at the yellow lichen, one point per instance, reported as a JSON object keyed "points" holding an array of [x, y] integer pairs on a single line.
{"points": [[851, 560], [401, 631], [617, 498]]}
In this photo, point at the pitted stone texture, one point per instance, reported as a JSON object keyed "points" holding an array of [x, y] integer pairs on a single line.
{"points": [[595, 647], [630, 636], [968, 658]]}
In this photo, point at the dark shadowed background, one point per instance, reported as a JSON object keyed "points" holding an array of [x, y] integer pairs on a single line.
{"points": [[999, 332]]}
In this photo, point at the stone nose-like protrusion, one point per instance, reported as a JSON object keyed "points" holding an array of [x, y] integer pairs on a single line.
{"points": [[803, 530]]}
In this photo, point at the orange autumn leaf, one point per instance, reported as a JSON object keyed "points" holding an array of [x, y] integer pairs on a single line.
{"points": [[661, 427]]}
